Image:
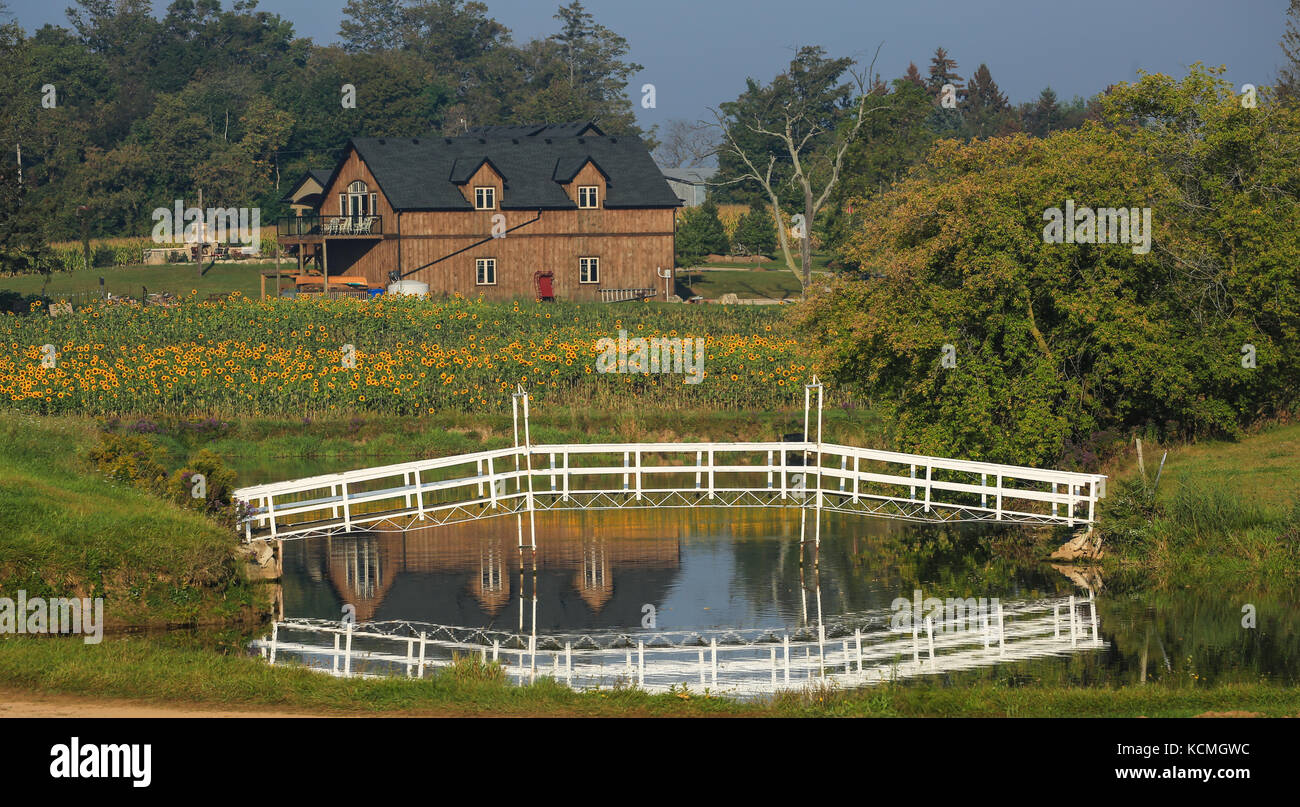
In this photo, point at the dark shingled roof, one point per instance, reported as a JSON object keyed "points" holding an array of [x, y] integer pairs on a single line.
{"points": [[576, 128], [321, 175], [423, 173]]}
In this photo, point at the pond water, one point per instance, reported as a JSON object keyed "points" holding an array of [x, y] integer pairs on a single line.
{"points": [[615, 578]]}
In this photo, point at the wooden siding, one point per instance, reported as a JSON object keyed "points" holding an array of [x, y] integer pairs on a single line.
{"points": [[631, 244]]}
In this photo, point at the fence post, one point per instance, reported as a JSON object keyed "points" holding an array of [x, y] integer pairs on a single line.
{"points": [[335, 668], [640, 663], [423, 639], [713, 646], [347, 657], [275, 637]]}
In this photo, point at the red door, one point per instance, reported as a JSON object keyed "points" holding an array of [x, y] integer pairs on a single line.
{"points": [[544, 290]]}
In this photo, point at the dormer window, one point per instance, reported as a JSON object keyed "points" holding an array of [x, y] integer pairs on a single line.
{"points": [[485, 198], [588, 197]]}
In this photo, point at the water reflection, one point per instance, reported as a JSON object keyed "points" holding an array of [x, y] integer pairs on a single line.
{"points": [[643, 573]]}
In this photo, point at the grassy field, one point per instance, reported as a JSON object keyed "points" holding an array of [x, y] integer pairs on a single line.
{"points": [[66, 531], [1221, 511], [179, 279], [776, 284], [270, 449], [177, 673]]}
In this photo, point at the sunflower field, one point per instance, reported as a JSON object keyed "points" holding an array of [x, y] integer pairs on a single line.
{"points": [[397, 355]]}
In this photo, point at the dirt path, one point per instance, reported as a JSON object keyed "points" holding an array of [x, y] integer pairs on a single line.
{"points": [[29, 704]]}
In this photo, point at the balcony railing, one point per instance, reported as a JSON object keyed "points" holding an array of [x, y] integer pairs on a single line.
{"points": [[294, 227]]}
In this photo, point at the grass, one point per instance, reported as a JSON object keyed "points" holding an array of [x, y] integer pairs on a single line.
{"points": [[66, 531], [181, 673], [179, 279], [269, 449], [775, 284], [1223, 512]]}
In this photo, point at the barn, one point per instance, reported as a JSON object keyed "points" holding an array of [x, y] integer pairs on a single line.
{"points": [[558, 211]]}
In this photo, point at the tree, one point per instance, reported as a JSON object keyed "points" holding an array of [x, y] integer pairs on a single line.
{"points": [[579, 73], [1057, 342], [1288, 77], [373, 25], [985, 108], [686, 145], [805, 116], [699, 234], [24, 242], [755, 233], [894, 139], [1044, 117]]}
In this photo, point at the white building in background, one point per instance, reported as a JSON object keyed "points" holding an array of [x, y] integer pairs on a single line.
{"points": [[690, 184]]}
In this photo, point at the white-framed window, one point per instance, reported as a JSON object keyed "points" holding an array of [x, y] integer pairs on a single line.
{"points": [[589, 270], [588, 196], [358, 201], [485, 271], [485, 198]]}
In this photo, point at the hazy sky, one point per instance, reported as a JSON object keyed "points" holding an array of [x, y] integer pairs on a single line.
{"points": [[699, 52]]}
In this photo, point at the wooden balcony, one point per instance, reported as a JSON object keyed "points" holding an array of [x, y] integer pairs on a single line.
{"points": [[312, 229]]}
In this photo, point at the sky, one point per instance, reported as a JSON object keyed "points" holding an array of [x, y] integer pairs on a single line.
{"points": [[698, 53]]}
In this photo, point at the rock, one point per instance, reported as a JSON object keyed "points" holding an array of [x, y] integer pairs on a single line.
{"points": [[259, 557], [730, 298], [1085, 546]]}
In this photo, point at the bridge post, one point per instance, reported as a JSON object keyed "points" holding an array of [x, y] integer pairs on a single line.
{"points": [[521, 394], [637, 458], [928, 474], [419, 493]]}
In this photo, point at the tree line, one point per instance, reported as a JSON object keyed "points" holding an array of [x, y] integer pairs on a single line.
{"points": [[120, 111]]}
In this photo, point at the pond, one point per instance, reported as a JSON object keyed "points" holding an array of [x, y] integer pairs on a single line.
{"points": [[702, 590]]}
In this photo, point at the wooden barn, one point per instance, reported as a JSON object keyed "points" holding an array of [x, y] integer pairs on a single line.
{"points": [[556, 211]]}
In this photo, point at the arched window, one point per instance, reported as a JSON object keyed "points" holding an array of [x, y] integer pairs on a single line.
{"points": [[358, 201]]}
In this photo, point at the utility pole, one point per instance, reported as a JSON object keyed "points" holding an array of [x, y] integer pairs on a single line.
{"points": [[198, 239]]}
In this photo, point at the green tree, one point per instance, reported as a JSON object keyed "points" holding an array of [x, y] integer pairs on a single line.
{"points": [[755, 233], [789, 140], [699, 234], [1056, 342], [985, 109], [1288, 76]]}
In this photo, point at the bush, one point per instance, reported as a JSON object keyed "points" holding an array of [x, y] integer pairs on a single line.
{"points": [[129, 458], [213, 495]]}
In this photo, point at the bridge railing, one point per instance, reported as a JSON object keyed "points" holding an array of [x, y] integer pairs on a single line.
{"points": [[603, 475]]}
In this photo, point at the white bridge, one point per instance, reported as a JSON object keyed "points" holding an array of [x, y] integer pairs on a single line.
{"points": [[807, 474]]}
